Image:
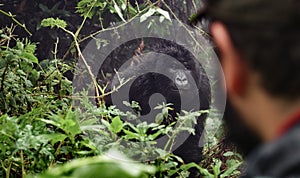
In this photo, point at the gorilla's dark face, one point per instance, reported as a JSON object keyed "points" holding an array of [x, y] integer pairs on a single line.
{"points": [[159, 73], [180, 78]]}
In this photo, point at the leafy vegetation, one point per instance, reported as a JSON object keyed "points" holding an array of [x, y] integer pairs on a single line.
{"points": [[48, 131]]}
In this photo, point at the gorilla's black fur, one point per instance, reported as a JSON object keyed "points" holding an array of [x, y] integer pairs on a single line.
{"points": [[147, 84]]}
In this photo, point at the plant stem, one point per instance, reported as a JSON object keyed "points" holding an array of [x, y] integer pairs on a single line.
{"points": [[84, 20], [8, 170], [22, 164], [16, 21]]}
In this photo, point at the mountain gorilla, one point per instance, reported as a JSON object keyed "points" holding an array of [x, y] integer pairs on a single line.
{"points": [[159, 66]]}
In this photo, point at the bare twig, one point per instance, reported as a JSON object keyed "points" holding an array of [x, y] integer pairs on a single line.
{"points": [[15, 20]]}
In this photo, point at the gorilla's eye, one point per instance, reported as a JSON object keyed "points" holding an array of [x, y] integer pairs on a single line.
{"points": [[181, 81]]}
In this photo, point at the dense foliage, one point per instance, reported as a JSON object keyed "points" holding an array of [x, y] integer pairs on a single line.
{"points": [[46, 130]]}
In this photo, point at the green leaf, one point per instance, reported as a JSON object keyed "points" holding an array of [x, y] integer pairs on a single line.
{"points": [[116, 125], [118, 10], [230, 170], [30, 47], [148, 14], [2, 63], [101, 166], [105, 123], [217, 167], [165, 111], [159, 118], [71, 123], [90, 8], [4, 36], [130, 135], [51, 122], [54, 138], [154, 136], [30, 57], [20, 45], [34, 76], [51, 22], [228, 153]]}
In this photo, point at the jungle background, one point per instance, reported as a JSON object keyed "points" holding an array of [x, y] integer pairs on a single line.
{"points": [[41, 133]]}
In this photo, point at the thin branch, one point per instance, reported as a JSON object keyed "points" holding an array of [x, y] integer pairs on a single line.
{"points": [[55, 49], [16, 21], [116, 27], [128, 10], [184, 26], [84, 20]]}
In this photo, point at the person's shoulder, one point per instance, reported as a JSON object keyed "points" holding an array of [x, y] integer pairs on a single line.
{"points": [[280, 158]]}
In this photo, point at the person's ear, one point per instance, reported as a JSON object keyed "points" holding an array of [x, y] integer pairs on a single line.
{"points": [[233, 66]]}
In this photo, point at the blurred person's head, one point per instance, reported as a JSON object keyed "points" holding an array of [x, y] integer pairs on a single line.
{"points": [[259, 46]]}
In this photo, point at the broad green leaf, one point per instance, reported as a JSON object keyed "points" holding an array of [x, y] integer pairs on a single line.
{"points": [[30, 57], [101, 166], [71, 124], [54, 138], [116, 125]]}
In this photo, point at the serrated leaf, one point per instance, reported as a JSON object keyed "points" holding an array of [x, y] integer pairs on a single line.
{"points": [[30, 48], [51, 22]]}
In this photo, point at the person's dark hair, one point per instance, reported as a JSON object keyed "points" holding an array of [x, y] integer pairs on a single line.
{"points": [[267, 34]]}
